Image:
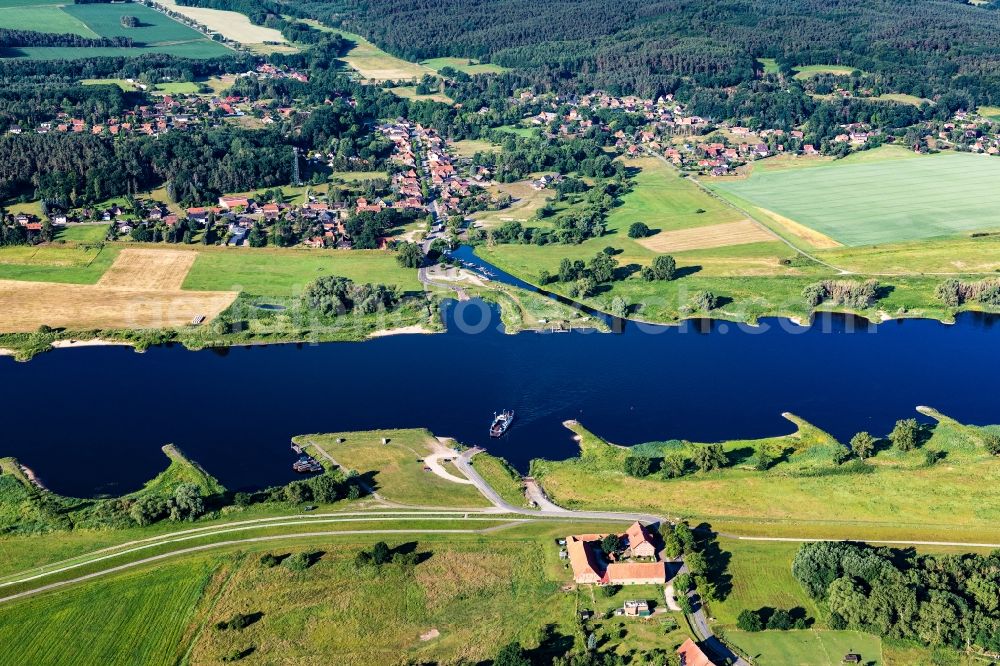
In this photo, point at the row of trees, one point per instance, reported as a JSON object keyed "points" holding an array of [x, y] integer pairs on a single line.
{"points": [[678, 461], [851, 293], [955, 292]]}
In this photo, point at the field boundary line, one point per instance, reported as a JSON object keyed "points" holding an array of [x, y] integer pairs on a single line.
{"points": [[241, 528], [753, 219]]}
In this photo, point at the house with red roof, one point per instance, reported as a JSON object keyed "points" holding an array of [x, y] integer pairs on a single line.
{"points": [[692, 655]]}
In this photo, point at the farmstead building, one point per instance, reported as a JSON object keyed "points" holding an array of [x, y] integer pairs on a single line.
{"points": [[591, 566]]}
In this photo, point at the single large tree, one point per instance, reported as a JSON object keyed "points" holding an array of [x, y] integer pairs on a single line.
{"points": [[863, 444], [707, 457], [904, 435]]}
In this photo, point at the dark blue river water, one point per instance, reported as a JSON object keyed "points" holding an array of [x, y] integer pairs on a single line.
{"points": [[92, 420]]}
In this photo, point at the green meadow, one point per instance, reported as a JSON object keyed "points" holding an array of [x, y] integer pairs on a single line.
{"points": [[890, 494], [470, 67], [807, 647], [393, 468], [274, 272], [659, 197], [467, 595], [874, 202]]}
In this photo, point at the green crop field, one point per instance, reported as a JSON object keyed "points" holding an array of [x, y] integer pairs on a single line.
{"points": [[267, 272], [881, 201], [157, 33], [53, 263], [136, 618], [42, 17], [807, 648]]}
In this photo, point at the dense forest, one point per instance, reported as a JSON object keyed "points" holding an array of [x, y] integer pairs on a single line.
{"points": [[924, 47], [195, 166], [949, 600]]}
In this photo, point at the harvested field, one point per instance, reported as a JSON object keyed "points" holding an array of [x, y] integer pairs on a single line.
{"points": [[231, 25], [141, 289], [28, 305], [715, 235], [149, 269], [802, 232]]}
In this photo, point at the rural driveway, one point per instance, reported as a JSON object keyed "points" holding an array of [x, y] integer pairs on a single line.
{"points": [[463, 463]]}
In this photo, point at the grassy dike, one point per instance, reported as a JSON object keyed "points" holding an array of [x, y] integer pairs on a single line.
{"points": [[892, 495], [478, 580]]}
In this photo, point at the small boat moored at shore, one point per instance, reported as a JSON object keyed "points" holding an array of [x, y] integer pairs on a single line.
{"points": [[307, 465]]}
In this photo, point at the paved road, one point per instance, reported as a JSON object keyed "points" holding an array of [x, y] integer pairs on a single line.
{"points": [[463, 463]]}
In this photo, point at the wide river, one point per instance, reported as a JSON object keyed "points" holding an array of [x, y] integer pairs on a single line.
{"points": [[92, 420]]}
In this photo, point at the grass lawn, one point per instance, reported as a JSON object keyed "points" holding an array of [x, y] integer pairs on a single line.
{"points": [[665, 201], [891, 496], [807, 647], [950, 255], [881, 201], [623, 634], [121, 83], [139, 617], [360, 176], [770, 65], [991, 112], [177, 88], [469, 594], [180, 470], [526, 201], [520, 130], [280, 272], [54, 263], [903, 98], [470, 67], [473, 595], [82, 233], [469, 147], [761, 578], [393, 467]]}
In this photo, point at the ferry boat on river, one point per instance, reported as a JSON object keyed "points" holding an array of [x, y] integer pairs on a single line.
{"points": [[501, 422]]}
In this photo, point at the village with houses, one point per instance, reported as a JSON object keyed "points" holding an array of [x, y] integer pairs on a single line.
{"points": [[424, 176]]}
